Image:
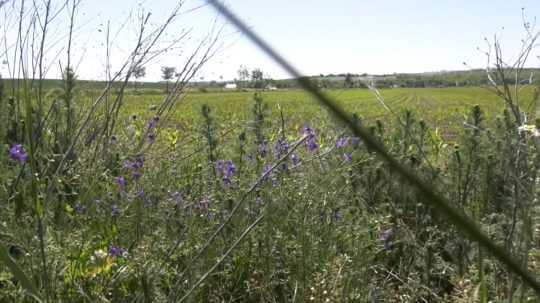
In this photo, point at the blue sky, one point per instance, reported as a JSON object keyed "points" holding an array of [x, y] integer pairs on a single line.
{"points": [[322, 36]]}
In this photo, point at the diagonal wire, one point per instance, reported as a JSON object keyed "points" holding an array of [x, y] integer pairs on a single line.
{"points": [[436, 200]]}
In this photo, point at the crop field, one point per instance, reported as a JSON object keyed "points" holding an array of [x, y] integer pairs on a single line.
{"points": [[440, 107]]}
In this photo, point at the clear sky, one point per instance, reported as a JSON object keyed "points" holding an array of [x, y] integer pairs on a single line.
{"points": [[319, 36]]}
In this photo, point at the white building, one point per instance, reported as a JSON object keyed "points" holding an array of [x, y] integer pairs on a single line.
{"points": [[230, 86]]}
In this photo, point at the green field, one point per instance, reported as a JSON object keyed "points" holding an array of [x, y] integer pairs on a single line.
{"points": [[443, 108]]}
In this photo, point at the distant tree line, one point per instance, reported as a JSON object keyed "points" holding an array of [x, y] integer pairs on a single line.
{"points": [[439, 79], [254, 78], [257, 79]]}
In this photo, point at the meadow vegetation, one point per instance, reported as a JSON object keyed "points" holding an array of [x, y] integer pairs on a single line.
{"points": [[144, 195]]}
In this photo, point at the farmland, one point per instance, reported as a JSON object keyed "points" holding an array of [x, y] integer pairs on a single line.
{"points": [[439, 107], [332, 221]]}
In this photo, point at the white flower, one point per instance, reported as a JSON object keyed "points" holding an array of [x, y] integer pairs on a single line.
{"points": [[100, 254], [528, 128]]}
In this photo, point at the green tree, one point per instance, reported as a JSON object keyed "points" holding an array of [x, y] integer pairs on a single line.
{"points": [[138, 72], [167, 73], [349, 82], [257, 78], [243, 76]]}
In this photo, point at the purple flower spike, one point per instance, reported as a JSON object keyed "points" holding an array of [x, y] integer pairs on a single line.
{"points": [[387, 236], [220, 164], [129, 165], [115, 211], [122, 183], [263, 149], [135, 166], [80, 209], [347, 157], [281, 148], [115, 251], [311, 141], [230, 170], [17, 153], [258, 201], [295, 159], [225, 170], [266, 172], [153, 123], [137, 175], [139, 161], [342, 142], [204, 204]]}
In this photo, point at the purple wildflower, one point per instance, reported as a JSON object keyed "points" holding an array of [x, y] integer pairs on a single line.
{"points": [[137, 163], [115, 251], [137, 175], [220, 164], [204, 203], [342, 142], [140, 194], [311, 141], [263, 149], [129, 164], [230, 170], [281, 148], [336, 215], [80, 209], [387, 236], [355, 141], [270, 174], [17, 153], [225, 170], [135, 166], [115, 211], [122, 183], [258, 201], [152, 138], [347, 157], [266, 172], [295, 159], [153, 123]]}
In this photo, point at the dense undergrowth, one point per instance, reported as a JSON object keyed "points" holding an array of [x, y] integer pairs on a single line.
{"points": [[109, 196], [334, 223]]}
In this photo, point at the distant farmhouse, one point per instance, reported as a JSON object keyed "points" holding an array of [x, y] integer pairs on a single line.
{"points": [[230, 86]]}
